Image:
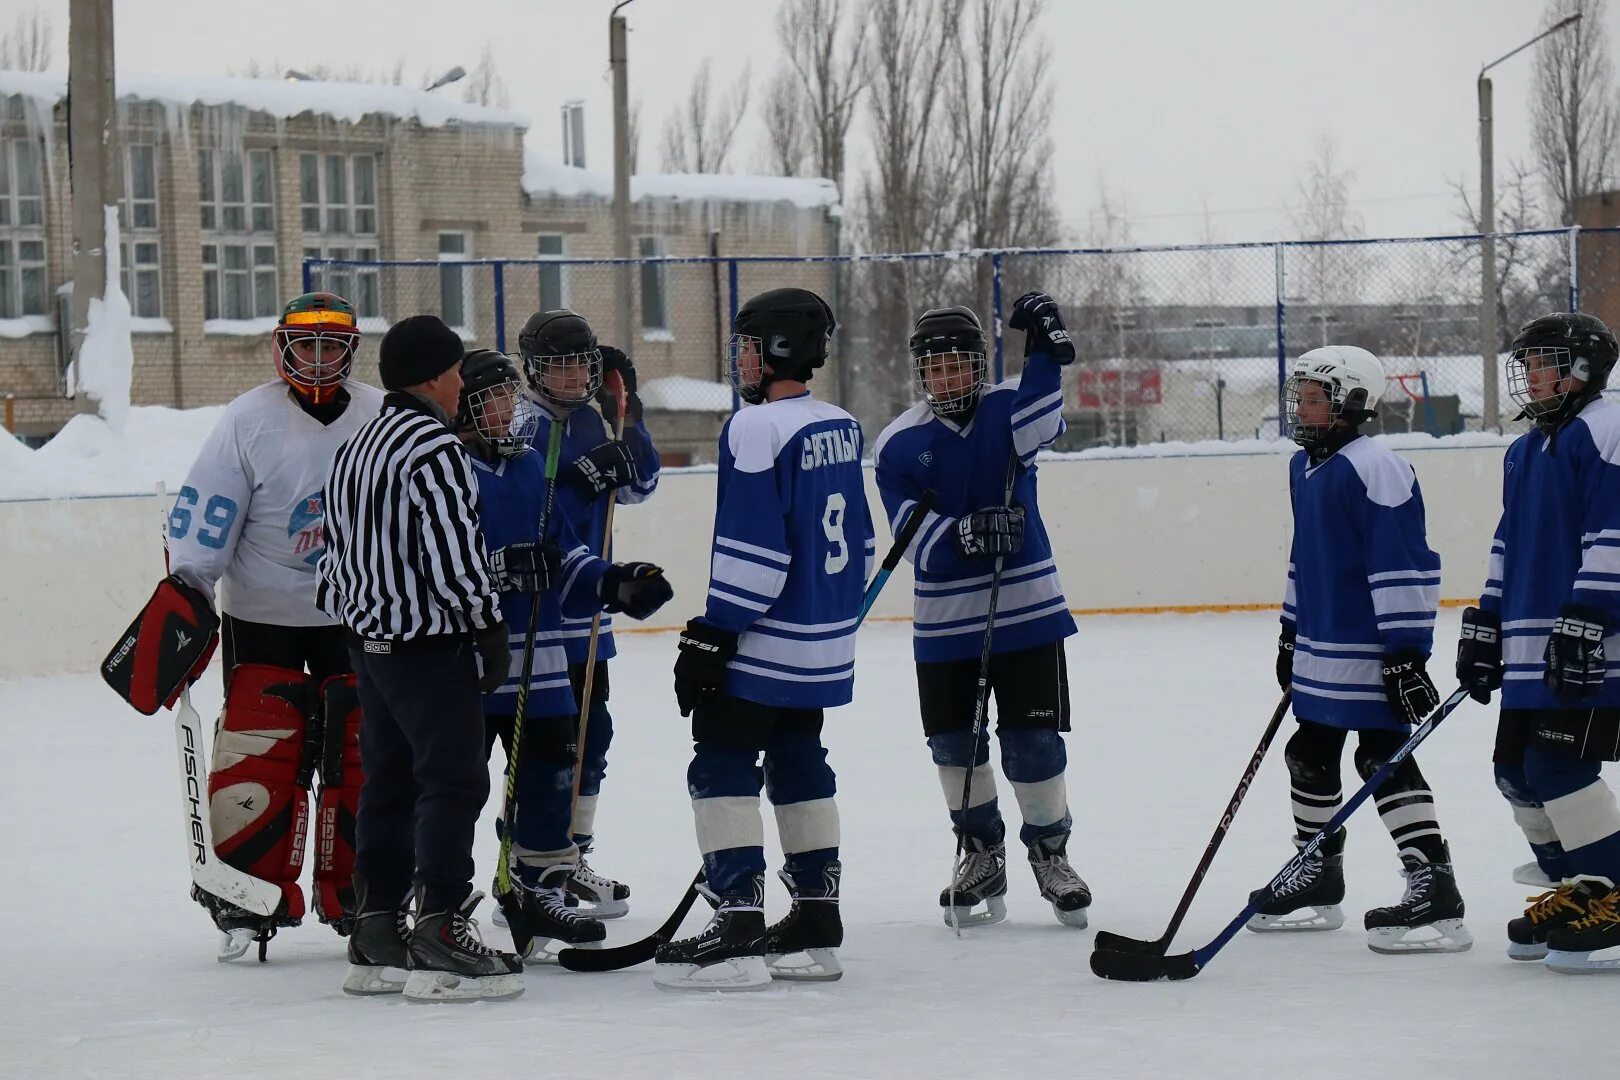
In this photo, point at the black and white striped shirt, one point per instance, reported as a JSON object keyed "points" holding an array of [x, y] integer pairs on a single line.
{"points": [[404, 558]]}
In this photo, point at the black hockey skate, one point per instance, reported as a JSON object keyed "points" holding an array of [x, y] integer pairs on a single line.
{"points": [[378, 943], [1590, 944], [608, 899], [981, 878], [1547, 914], [448, 961], [803, 945], [728, 955], [240, 929], [1429, 917], [1060, 886], [551, 923], [1316, 888]]}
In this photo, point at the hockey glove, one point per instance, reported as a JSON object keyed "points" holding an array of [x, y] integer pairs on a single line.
{"points": [[1479, 654], [636, 588], [1037, 315], [700, 667], [1576, 664], [603, 468], [1285, 659], [1407, 684], [165, 649], [527, 567], [995, 530], [615, 360], [494, 658]]}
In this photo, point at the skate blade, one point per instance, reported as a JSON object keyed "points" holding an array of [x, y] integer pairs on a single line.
{"points": [[544, 951], [808, 965], [442, 987], [1536, 951], [1440, 936], [1531, 874], [740, 973], [365, 981], [995, 909], [1327, 917], [1581, 963], [1075, 917], [607, 909], [234, 943]]}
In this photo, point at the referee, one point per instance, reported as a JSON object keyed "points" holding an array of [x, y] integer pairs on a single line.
{"points": [[406, 572]]}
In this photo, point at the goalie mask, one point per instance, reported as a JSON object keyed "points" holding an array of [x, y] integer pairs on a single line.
{"points": [[1333, 383], [315, 343]]}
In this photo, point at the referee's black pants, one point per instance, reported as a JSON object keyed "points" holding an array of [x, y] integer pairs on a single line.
{"points": [[422, 748]]}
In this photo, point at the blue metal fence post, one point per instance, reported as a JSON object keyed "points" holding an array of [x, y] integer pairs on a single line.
{"points": [[731, 285], [500, 307], [995, 309], [309, 276], [1574, 268], [1282, 343]]}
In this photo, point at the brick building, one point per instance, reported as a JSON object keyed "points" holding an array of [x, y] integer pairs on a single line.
{"points": [[230, 184]]}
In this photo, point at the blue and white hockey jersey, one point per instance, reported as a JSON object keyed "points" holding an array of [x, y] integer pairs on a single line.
{"points": [[584, 430], [967, 469], [793, 547], [511, 498], [1558, 543], [1362, 582]]}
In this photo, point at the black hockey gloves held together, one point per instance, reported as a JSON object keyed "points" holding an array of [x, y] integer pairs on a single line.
{"points": [[1576, 664], [636, 588], [700, 667], [1479, 654], [1407, 684], [604, 467], [526, 567], [1285, 659], [992, 531], [495, 657], [1037, 315]]}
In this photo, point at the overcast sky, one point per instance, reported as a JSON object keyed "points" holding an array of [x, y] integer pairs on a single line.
{"points": [[1173, 104]]}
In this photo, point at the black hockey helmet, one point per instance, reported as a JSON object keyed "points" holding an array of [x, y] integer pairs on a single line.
{"points": [[561, 357], [493, 403], [1564, 344], [948, 364], [789, 328]]}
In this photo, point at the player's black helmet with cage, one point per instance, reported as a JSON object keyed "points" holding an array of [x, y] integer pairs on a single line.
{"points": [[493, 403], [1549, 355], [948, 360], [786, 329], [561, 358]]}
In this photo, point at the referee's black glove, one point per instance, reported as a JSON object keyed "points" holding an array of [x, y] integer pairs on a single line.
{"points": [[700, 667], [495, 658]]}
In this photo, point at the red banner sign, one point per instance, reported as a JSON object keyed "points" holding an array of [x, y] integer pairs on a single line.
{"points": [[1119, 389]]}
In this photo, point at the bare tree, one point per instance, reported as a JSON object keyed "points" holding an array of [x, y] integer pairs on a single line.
{"points": [[484, 83], [830, 76], [1524, 264], [1573, 108], [1330, 275], [698, 134], [785, 146], [27, 45]]}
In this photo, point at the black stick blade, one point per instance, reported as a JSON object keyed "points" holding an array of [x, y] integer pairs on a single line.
{"points": [[1106, 942], [635, 952], [1142, 967]]}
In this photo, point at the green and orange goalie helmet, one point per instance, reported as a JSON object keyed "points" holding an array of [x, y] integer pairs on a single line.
{"points": [[315, 343]]}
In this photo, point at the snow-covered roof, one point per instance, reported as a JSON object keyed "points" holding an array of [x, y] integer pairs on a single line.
{"points": [[543, 176], [280, 98]]}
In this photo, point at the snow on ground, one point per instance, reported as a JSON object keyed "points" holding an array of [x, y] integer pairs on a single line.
{"points": [[109, 968]]}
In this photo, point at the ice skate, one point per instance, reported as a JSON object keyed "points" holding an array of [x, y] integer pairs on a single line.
{"points": [[729, 954], [1060, 885], [1429, 917], [552, 924], [1310, 898], [449, 963], [1589, 945], [981, 878], [378, 945], [803, 945], [606, 898]]}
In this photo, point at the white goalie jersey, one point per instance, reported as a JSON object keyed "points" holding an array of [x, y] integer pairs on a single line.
{"points": [[251, 515]]}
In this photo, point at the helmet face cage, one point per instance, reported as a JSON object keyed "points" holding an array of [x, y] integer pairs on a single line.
{"points": [[1534, 376], [566, 380], [504, 416], [745, 356], [949, 381], [1337, 405], [315, 362]]}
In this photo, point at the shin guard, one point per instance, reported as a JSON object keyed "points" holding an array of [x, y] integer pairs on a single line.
{"points": [[256, 787], [337, 803]]}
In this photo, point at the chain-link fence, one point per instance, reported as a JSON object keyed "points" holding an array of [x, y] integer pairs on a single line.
{"points": [[1183, 343]]}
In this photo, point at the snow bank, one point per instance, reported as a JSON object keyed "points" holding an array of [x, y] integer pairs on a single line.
{"points": [[106, 362], [542, 176], [1249, 447], [91, 457]]}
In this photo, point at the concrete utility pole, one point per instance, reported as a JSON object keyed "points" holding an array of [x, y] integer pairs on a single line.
{"points": [[95, 175], [623, 277]]}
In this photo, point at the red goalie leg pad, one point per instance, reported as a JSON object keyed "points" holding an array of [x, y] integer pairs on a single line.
{"points": [[256, 788], [338, 802]]}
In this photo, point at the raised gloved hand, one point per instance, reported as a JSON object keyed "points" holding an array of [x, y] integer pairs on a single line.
{"points": [[1407, 684], [602, 468], [636, 588], [994, 530], [495, 658], [526, 567], [700, 668], [1285, 659], [1479, 654], [1576, 664], [1037, 315]]}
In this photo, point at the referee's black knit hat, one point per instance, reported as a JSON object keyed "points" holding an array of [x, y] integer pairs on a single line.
{"points": [[417, 349]]}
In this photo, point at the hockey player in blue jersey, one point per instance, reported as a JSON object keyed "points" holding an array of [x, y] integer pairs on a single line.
{"points": [[774, 648], [1357, 630], [962, 440], [565, 366], [1544, 633], [558, 571]]}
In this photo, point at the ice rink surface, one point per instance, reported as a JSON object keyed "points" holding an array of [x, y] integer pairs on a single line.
{"points": [[109, 972]]}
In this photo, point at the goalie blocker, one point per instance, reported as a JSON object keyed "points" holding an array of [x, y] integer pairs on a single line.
{"points": [[165, 649]]}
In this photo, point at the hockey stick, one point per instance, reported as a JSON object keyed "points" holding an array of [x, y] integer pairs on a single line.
{"points": [[639, 952], [505, 896], [981, 702], [1106, 942], [588, 684], [1148, 967], [209, 872]]}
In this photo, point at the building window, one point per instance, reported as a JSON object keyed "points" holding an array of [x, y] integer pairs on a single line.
{"points": [[237, 196], [357, 284], [140, 188], [237, 191], [455, 282], [338, 194], [239, 280], [553, 287], [22, 230], [139, 270], [654, 310], [139, 275]]}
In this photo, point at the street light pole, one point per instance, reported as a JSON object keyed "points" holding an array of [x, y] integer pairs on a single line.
{"points": [[1491, 413], [617, 62]]}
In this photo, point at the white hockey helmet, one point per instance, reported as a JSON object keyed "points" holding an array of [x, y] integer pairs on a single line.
{"points": [[1353, 379]]}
